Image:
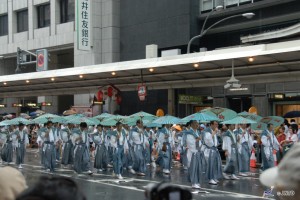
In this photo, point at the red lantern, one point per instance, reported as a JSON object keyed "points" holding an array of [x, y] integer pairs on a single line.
{"points": [[109, 91], [142, 91], [119, 99], [100, 95]]}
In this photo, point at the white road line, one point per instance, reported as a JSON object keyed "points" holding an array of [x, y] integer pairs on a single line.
{"points": [[241, 195]]}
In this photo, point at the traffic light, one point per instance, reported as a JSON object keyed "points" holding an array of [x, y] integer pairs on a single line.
{"points": [[41, 60]]}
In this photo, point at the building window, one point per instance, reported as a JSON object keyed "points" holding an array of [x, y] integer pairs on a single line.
{"points": [[43, 15], [22, 21], [3, 25], [67, 11]]}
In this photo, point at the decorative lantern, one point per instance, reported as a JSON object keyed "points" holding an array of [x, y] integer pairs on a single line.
{"points": [[160, 112], [142, 91], [109, 91], [100, 95]]}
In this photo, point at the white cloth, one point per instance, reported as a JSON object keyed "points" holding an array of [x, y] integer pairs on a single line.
{"points": [[51, 136], [268, 143], [294, 138], [226, 146]]}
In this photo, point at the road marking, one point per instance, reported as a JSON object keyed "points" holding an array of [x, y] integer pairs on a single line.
{"points": [[240, 195]]}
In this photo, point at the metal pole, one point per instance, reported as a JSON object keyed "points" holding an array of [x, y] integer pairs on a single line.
{"points": [[205, 31]]}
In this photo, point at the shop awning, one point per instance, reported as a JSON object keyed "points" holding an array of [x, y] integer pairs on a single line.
{"points": [[272, 63]]}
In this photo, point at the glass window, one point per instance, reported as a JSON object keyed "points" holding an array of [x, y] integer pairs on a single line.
{"points": [[67, 11], [43, 15], [22, 21], [3, 25]]}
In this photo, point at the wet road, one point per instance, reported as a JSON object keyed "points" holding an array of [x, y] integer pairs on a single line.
{"points": [[105, 186]]}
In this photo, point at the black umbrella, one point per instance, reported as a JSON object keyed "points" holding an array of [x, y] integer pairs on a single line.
{"points": [[292, 114]]}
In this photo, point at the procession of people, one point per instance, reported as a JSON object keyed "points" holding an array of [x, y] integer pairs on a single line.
{"points": [[145, 143]]}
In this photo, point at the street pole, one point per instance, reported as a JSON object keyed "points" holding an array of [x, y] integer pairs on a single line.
{"points": [[203, 32]]}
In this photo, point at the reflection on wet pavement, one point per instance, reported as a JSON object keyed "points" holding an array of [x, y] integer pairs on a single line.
{"points": [[105, 186]]}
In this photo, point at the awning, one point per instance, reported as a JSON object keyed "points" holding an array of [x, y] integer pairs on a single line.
{"points": [[272, 63]]}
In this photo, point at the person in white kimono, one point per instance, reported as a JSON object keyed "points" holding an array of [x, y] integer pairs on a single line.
{"points": [[148, 135], [7, 147], [100, 162], [183, 145], [244, 149], [49, 149], [140, 144], [269, 143], [21, 142], [231, 153], [68, 147], [81, 151], [58, 146], [211, 153], [120, 146], [195, 157], [164, 146], [128, 158]]}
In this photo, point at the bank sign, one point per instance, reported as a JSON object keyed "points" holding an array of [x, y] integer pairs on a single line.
{"points": [[84, 24], [189, 99]]}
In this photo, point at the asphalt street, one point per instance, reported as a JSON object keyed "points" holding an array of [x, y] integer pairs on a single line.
{"points": [[104, 186]]}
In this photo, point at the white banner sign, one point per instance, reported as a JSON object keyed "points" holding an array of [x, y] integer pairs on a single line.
{"points": [[84, 24]]}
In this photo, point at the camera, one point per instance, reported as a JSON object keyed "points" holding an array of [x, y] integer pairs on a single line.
{"points": [[166, 191]]}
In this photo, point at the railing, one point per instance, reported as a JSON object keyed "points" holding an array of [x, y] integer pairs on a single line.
{"points": [[208, 5]]}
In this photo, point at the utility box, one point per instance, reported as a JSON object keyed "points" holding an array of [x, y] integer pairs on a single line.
{"points": [[151, 51], [171, 52]]}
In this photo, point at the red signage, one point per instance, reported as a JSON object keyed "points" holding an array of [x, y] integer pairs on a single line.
{"points": [[142, 91]]}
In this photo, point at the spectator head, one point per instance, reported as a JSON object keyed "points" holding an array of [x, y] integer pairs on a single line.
{"points": [[49, 188], [214, 124], [49, 124], [286, 122], [270, 126], [21, 126], [188, 124], [83, 125], [12, 183], [139, 123], [286, 176]]}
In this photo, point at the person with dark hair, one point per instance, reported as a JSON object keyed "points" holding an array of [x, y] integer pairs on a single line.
{"points": [[183, 144], [120, 146], [49, 150], [194, 154], [164, 144], [100, 157], [128, 158], [149, 135], [212, 155], [22, 141], [269, 143], [67, 154], [56, 128], [7, 149], [231, 153], [140, 143], [81, 152], [49, 188], [244, 142]]}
